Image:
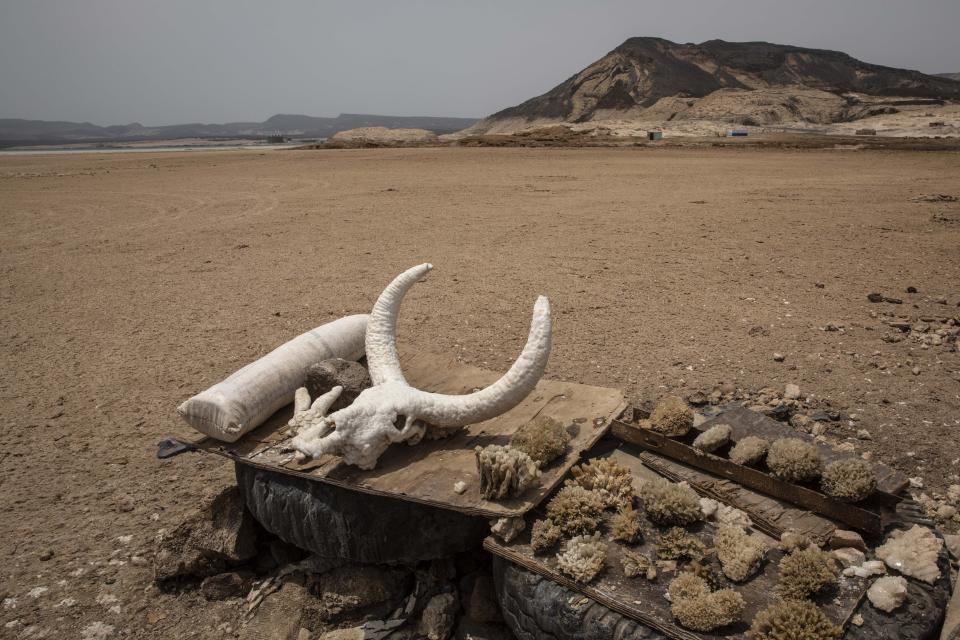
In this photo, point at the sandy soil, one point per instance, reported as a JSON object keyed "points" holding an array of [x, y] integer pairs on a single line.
{"points": [[131, 282]]}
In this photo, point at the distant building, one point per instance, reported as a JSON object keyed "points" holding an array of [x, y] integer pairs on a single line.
{"points": [[737, 133], [654, 135], [276, 138]]}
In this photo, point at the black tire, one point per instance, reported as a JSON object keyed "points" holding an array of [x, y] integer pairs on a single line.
{"points": [[332, 522], [535, 607]]}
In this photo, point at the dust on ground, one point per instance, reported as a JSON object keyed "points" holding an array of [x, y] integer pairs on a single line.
{"points": [[132, 282]]}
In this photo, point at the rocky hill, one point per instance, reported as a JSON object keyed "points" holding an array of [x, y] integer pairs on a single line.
{"points": [[658, 79], [948, 76], [34, 132]]}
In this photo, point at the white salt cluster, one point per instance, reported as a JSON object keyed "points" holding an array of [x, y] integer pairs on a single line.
{"points": [[713, 438], [888, 593], [583, 557], [507, 528], [504, 471], [913, 553], [866, 570]]}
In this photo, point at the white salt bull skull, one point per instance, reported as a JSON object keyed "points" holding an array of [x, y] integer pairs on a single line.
{"points": [[361, 432]]}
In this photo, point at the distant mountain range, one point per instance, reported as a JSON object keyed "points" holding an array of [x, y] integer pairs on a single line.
{"points": [[948, 76], [648, 78], [15, 132]]}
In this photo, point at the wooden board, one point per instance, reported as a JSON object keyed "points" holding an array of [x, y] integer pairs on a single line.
{"points": [[645, 601], [771, 516], [870, 515], [427, 472]]}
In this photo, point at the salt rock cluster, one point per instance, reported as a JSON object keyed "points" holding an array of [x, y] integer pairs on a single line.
{"points": [[671, 417], [676, 543], [913, 553], [849, 480], [504, 471], [793, 620], [575, 510], [739, 553], [508, 528], [637, 564], [543, 439], [582, 557], [713, 438], [749, 451], [544, 535], [611, 481], [804, 572], [794, 460], [698, 608], [670, 503], [625, 526], [888, 593]]}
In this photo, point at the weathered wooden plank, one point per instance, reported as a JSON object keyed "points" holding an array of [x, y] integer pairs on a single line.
{"points": [[869, 516], [426, 473]]}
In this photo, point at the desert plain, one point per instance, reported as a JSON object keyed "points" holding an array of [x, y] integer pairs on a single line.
{"points": [[132, 281]]}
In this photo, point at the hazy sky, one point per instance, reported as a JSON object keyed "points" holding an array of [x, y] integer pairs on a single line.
{"points": [[174, 61]]}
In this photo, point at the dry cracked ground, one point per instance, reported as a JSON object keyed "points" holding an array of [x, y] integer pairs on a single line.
{"points": [[131, 281]]}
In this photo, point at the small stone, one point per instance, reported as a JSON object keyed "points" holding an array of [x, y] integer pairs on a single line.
{"points": [[866, 570], [791, 392], [915, 371], [946, 511], [507, 528], [863, 434], [46, 555], [888, 593], [911, 289], [849, 557], [857, 620], [916, 482], [842, 538], [818, 428], [327, 374], [224, 585], [438, 617], [875, 297], [779, 357], [460, 487], [952, 542]]}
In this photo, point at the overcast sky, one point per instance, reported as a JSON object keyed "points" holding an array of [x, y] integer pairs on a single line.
{"points": [[175, 61]]}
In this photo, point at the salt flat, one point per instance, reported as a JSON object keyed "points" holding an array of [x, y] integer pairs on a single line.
{"points": [[132, 281]]}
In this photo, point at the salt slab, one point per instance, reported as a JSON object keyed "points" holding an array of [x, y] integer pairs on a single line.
{"points": [[913, 553], [888, 593]]}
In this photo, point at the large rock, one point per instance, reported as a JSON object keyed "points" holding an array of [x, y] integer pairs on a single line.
{"points": [[356, 589], [327, 374], [438, 617], [222, 533]]}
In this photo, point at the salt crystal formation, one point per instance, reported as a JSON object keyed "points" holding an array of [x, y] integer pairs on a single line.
{"points": [[543, 439], [575, 510], [794, 460], [849, 480], [866, 570], [612, 481], [544, 535], [888, 593], [671, 417], [508, 528], [713, 438], [636, 564], [804, 572], [625, 526], [676, 543], [582, 557], [669, 503], [740, 554], [793, 620], [504, 472], [699, 609], [913, 553], [749, 450]]}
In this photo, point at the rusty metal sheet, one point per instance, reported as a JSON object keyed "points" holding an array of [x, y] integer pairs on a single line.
{"points": [[645, 601], [870, 516], [427, 472]]}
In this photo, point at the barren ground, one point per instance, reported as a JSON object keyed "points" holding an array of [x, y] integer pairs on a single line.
{"points": [[132, 281]]}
